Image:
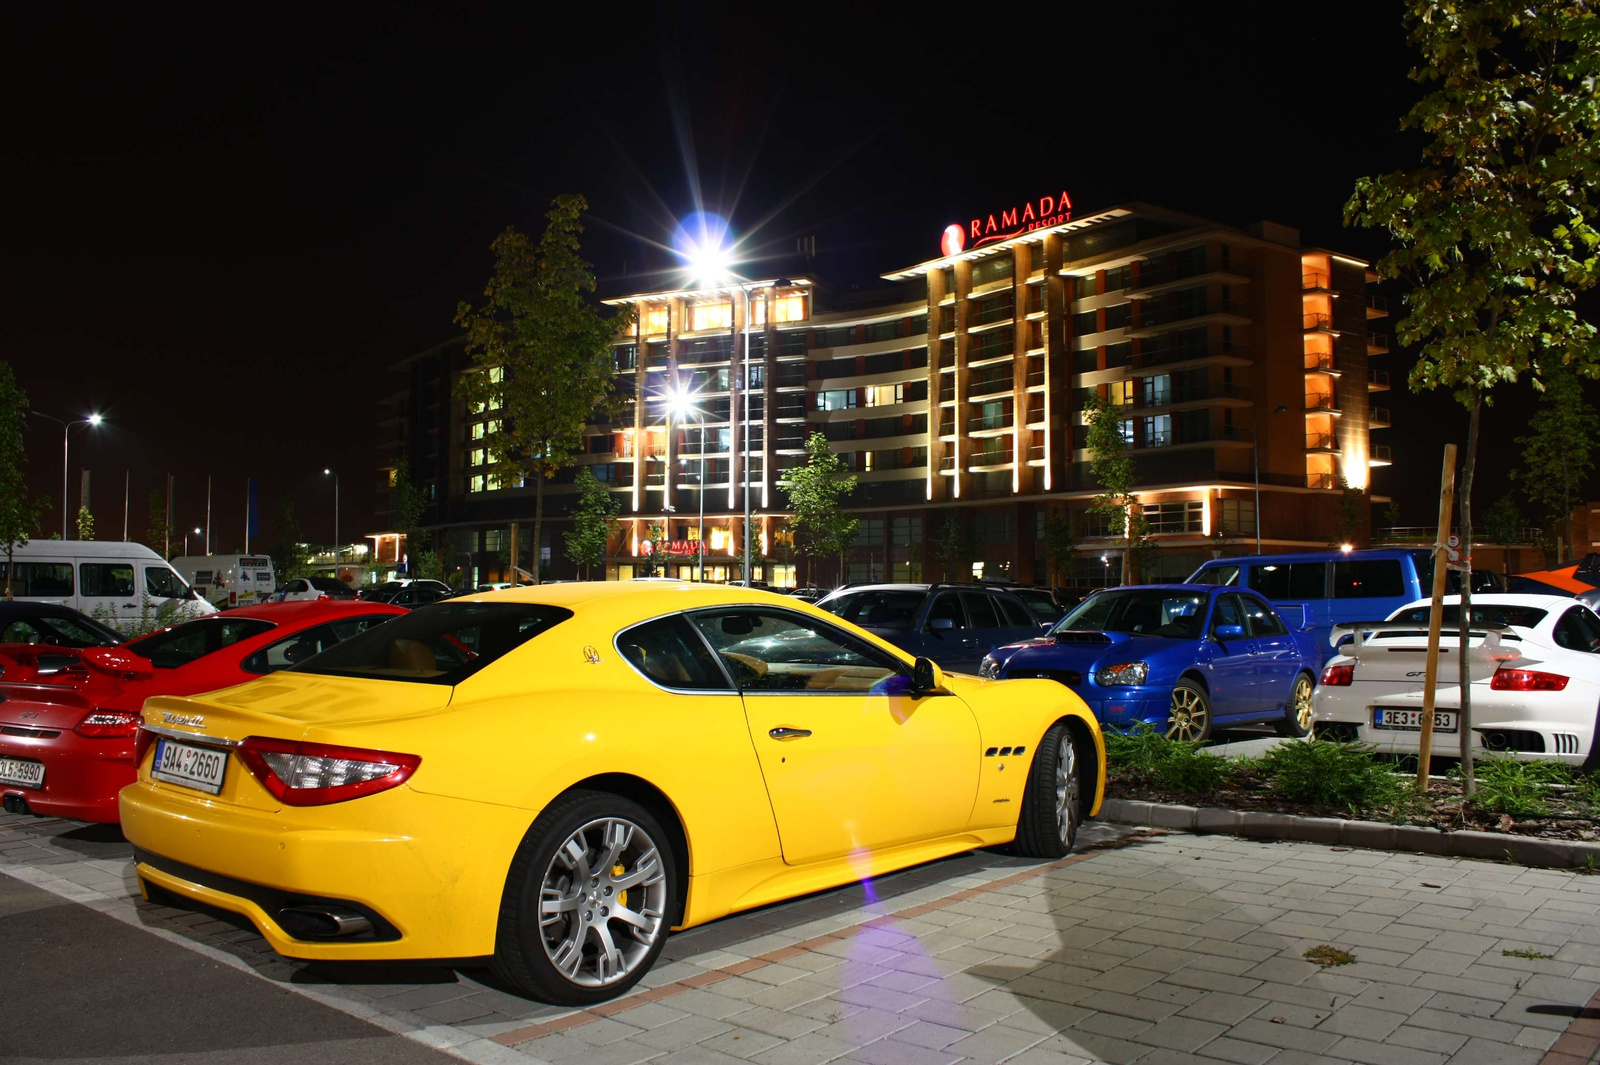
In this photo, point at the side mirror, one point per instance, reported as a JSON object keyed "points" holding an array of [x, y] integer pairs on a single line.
{"points": [[1228, 632], [941, 624], [925, 677]]}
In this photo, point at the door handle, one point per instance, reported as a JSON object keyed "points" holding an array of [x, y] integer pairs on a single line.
{"points": [[789, 733]]}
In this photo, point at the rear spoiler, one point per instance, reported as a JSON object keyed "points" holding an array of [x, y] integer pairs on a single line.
{"points": [[1404, 628], [1491, 649]]}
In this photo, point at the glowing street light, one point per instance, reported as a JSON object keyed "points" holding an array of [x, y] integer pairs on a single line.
{"points": [[330, 473], [91, 421]]}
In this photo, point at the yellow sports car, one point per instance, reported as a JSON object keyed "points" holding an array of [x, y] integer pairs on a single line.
{"points": [[552, 777]]}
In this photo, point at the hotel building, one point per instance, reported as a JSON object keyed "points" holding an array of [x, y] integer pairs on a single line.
{"points": [[956, 392]]}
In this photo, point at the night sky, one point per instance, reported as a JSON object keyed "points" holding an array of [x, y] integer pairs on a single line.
{"points": [[221, 226]]}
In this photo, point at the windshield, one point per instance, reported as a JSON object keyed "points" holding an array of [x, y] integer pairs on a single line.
{"points": [[182, 644], [1522, 617], [442, 644], [1145, 611], [57, 631], [882, 609]]}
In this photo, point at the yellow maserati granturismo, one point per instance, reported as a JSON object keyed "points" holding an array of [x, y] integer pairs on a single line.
{"points": [[552, 778]]}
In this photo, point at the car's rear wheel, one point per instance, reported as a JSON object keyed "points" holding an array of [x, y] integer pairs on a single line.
{"points": [[587, 901], [1052, 799], [1189, 713], [1298, 715]]}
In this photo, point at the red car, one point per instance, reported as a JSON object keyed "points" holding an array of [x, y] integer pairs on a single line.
{"points": [[67, 733]]}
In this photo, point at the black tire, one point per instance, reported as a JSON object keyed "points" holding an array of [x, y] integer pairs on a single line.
{"points": [[1297, 716], [1052, 798], [522, 958], [1189, 712]]}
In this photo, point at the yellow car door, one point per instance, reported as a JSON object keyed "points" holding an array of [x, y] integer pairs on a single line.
{"points": [[852, 761]]}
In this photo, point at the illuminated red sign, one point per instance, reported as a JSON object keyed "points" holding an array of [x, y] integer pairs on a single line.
{"points": [[1043, 213], [669, 547]]}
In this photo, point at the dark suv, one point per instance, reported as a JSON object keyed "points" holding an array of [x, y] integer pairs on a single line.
{"points": [[953, 624]]}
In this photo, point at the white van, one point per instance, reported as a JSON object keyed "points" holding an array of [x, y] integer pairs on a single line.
{"points": [[125, 585], [228, 580]]}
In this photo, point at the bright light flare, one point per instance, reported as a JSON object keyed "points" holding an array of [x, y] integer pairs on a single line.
{"points": [[702, 241], [95, 419], [681, 404]]}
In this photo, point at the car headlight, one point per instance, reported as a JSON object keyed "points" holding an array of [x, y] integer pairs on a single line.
{"points": [[989, 667], [1123, 673]]}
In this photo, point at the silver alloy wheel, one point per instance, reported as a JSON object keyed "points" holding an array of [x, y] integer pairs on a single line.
{"points": [[591, 934], [1186, 719], [1303, 712], [1067, 784]]}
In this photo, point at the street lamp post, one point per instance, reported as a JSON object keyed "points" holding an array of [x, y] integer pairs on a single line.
{"points": [[681, 404], [335, 476], [1255, 463], [186, 541], [66, 431]]}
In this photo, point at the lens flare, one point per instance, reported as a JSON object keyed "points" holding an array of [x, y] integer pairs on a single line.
{"points": [[701, 239]]}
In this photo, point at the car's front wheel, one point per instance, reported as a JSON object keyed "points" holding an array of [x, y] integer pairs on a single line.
{"points": [[1189, 713], [587, 902], [1298, 715], [1052, 800]]}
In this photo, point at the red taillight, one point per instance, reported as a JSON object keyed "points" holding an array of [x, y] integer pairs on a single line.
{"points": [[321, 597], [142, 742], [1339, 675], [315, 774], [1527, 680], [108, 724]]}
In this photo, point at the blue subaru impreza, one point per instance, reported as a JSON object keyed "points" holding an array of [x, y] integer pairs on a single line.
{"points": [[1180, 657]]}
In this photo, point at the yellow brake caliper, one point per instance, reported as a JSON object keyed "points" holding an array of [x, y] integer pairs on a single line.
{"points": [[622, 896]]}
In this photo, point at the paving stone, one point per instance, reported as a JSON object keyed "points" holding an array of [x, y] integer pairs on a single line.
{"points": [[1226, 1049], [1365, 1050]]}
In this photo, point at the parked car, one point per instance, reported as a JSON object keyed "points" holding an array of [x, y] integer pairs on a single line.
{"points": [[550, 794], [1534, 661], [126, 585], [388, 588], [412, 596], [67, 740], [809, 595], [1324, 588], [1182, 658], [39, 641], [1042, 603], [953, 624], [229, 580], [307, 589]]}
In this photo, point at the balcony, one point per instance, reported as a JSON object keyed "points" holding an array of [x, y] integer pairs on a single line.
{"points": [[1377, 307], [984, 423], [1320, 362], [1316, 281], [1377, 344], [1379, 455], [1377, 380], [990, 386], [999, 456], [990, 315], [1195, 393], [1317, 322], [1154, 277], [1035, 377], [1035, 452], [1321, 480], [1322, 442], [1321, 401], [1166, 355], [1157, 319], [1378, 418]]}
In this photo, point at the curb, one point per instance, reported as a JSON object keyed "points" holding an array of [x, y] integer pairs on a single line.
{"points": [[1375, 835]]}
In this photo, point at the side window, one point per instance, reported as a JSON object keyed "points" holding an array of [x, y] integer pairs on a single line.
{"points": [[39, 579], [1016, 614], [1578, 632], [1591, 626], [780, 652], [1220, 575], [1261, 619], [1298, 580], [291, 650], [348, 627], [1377, 578], [1271, 580], [21, 631], [980, 608], [109, 579], [670, 653], [945, 605], [1227, 612]]}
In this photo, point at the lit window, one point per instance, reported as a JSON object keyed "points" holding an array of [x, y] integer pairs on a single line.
{"points": [[475, 483], [497, 374], [477, 430], [786, 308], [1122, 393], [655, 320], [866, 461], [477, 457], [714, 315], [884, 395]]}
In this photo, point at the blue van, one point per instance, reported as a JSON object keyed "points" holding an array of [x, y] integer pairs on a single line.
{"points": [[1317, 590]]}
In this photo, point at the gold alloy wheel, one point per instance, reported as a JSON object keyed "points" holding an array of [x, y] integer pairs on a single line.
{"points": [[1188, 716], [1303, 713]]}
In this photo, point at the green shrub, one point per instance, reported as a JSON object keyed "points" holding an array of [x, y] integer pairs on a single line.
{"points": [[1509, 786], [1148, 754], [1196, 772], [1324, 773]]}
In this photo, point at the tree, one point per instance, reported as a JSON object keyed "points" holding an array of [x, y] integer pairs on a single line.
{"points": [[1558, 455], [949, 546], [653, 532], [85, 523], [1503, 525], [409, 505], [1114, 472], [1060, 545], [289, 556], [817, 491], [1495, 230], [1349, 525], [18, 515], [1391, 514], [542, 354], [156, 529], [594, 521]]}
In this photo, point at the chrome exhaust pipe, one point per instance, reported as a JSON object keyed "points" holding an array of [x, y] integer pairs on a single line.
{"points": [[322, 922]]}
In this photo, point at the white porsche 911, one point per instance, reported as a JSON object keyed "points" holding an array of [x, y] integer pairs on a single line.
{"points": [[1535, 668]]}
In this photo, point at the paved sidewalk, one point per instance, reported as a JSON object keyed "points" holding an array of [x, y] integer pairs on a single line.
{"points": [[1155, 948]]}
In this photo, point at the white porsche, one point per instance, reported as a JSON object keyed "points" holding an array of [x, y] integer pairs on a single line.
{"points": [[1535, 669]]}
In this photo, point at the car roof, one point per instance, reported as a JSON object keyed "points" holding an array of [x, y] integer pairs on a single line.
{"points": [[30, 608], [295, 612], [119, 549], [1331, 555], [1549, 603], [1198, 589]]}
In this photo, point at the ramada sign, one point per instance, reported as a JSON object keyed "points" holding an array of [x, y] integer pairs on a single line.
{"points": [[1047, 211]]}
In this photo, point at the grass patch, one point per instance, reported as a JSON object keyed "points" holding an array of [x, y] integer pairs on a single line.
{"points": [[1531, 955], [1328, 957], [1518, 788], [1325, 773]]}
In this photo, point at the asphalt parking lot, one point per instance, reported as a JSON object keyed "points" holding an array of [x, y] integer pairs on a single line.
{"points": [[1140, 947]]}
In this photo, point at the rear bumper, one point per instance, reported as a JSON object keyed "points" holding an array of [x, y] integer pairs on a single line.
{"points": [[431, 869], [1501, 723], [81, 776]]}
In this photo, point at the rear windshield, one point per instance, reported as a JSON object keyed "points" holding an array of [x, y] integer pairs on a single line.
{"points": [[1522, 617], [882, 609], [56, 630], [182, 644], [440, 644]]}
